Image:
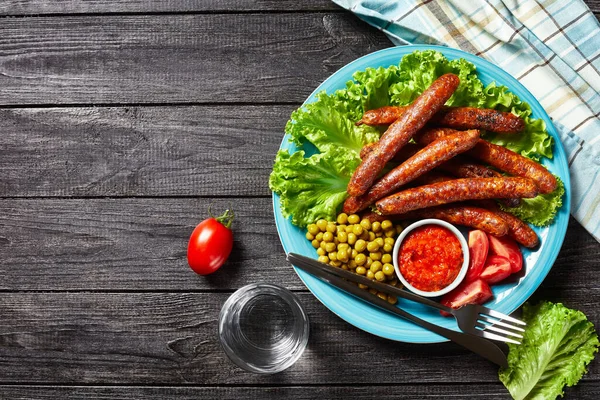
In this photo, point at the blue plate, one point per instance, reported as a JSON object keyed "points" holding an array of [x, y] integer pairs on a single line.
{"points": [[507, 297]]}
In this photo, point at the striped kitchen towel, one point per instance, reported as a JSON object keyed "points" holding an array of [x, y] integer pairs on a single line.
{"points": [[552, 47]]}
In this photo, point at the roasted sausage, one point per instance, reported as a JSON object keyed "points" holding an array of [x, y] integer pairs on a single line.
{"points": [[462, 168], [382, 116], [425, 160], [517, 229], [401, 131], [479, 118], [453, 117], [501, 158], [456, 190], [473, 217], [409, 150]]}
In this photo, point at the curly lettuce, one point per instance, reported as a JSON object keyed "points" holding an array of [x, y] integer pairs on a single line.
{"points": [[329, 124], [312, 187], [557, 345]]}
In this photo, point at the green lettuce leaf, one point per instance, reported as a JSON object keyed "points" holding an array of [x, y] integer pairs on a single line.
{"points": [[326, 124], [314, 187], [557, 345], [540, 210]]}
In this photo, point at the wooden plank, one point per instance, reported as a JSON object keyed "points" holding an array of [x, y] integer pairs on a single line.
{"points": [[177, 58], [132, 244], [140, 151], [171, 339], [43, 7], [140, 244], [585, 390]]}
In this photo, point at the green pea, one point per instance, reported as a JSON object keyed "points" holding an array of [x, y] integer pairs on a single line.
{"points": [[342, 237], [389, 234], [353, 219], [373, 246], [363, 287], [333, 256], [370, 274], [369, 262], [382, 296], [386, 258], [323, 259], [376, 226], [387, 248], [360, 245], [387, 224], [376, 266], [342, 255], [342, 218], [380, 276], [392, 299], [375, 256], [328, 237], [331, 227], [343, 246], [361, 270], [360, 259], [323, 244], [351, 238], [319, 236], [380, 241], [388, 269], [322, 225], [310, 236], [389, 241], [365, 223], [372, 236], [357, 230], [348, 228], [335, 263], [329, 247], [316, 244], [313, 229], [340, 228], [321, 251]]}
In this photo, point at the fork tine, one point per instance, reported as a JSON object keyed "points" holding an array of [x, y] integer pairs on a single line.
{"points": [[496, 322], [499, 315], [495, 329], [489, 335]]}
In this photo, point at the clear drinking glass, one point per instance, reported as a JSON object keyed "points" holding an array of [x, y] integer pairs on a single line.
{"points": [[263, 328]]}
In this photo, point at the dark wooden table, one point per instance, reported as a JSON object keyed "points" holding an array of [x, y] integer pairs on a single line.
{"points": [[121, 121]]}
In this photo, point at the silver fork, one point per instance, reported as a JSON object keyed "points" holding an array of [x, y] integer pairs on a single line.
{"points": [[471, 318]]}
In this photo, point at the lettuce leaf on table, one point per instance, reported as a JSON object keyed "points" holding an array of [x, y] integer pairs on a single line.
{"points": [[557, 345]]}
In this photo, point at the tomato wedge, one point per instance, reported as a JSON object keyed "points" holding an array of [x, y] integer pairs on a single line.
{"points": [[476, 292], [478, 251], [507, 247], [497, 268]]}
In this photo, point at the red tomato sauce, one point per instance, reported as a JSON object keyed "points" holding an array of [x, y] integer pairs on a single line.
{"points": [[430, 258]]}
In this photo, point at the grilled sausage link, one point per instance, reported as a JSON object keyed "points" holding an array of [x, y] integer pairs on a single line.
{"points": [[464, 169], [456, 190], [409, 150], [473, 217], [425, 160], [453, 117], [501, 158], [401, 131], [517, 229]]}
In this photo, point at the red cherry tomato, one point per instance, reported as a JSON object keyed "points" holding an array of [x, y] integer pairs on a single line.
{"points": [[476, 292], [506, 247], [210, 244], [478, 251], [497, 268]]}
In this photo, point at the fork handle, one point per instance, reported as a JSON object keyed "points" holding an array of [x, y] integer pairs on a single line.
{"points": [[385, 288]]}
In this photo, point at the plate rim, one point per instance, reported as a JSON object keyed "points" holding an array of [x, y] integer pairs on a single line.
{"points": [[498, 72]]}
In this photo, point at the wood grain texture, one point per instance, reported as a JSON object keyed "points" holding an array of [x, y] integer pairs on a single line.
{"points": [[171, 339], [391, 392], [177, 58], [140, 244], [140, 151], [43, 7], [132, 244]]}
